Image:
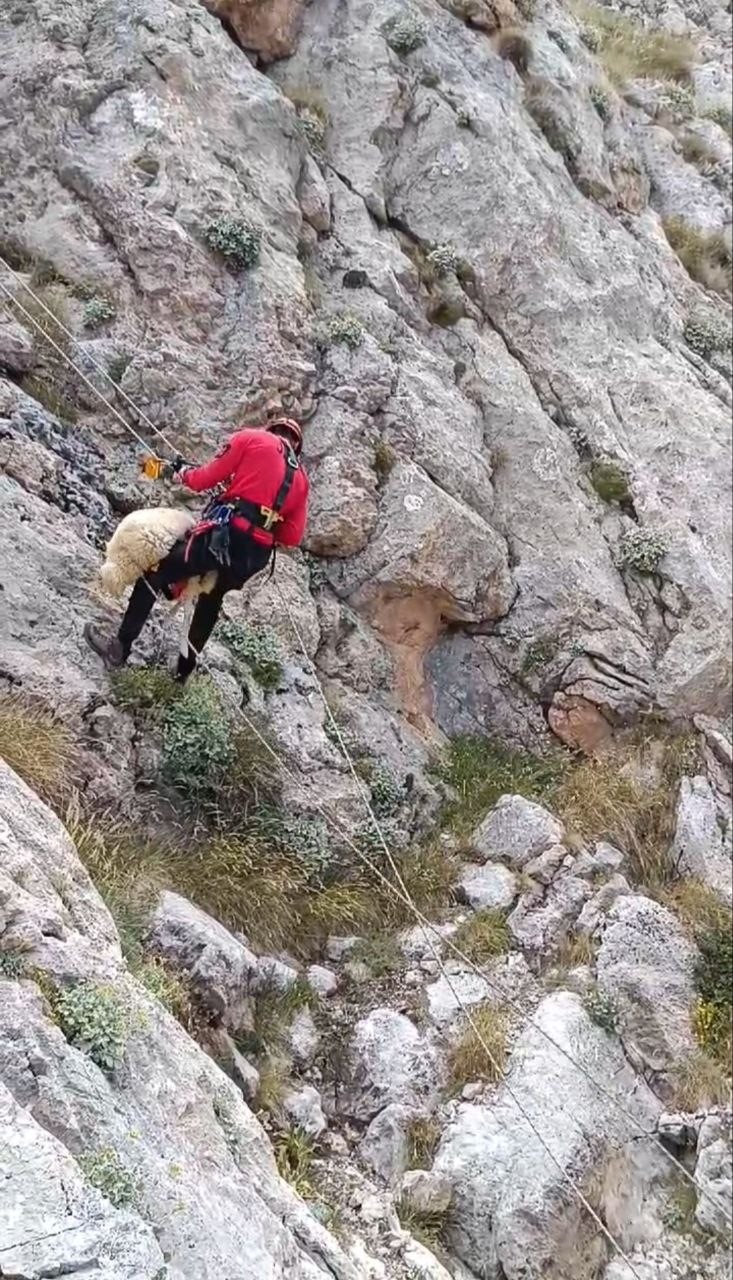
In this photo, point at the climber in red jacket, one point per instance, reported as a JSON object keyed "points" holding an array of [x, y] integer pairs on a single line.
{"points": [[263, 505]]}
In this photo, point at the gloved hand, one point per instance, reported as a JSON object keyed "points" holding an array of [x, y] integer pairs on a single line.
{"points": [[173, 470]]}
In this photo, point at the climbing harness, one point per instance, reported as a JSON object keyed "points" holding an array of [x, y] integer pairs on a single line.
{"points": [[398, 890]]}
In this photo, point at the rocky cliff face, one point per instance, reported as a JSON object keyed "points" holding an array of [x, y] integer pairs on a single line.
{"points": [[484, 250]]}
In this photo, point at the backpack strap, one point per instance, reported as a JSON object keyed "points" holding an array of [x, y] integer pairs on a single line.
{"points": [[272, 514]]}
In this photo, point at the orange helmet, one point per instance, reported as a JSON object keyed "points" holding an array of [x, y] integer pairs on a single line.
{"points": [[290, 428]]}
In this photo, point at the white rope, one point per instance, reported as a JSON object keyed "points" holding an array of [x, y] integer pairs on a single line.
{"points": [[94, 363], [402, 893]]}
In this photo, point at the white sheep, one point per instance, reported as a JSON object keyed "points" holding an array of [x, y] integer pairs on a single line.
{"points": [[140, 542]]}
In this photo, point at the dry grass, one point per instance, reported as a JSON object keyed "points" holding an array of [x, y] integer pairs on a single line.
{"points": [[469, 1060], [704, 255], [697, 152], [423, 1137], [632, 52], [484, 936], [38, 747], [701, 1082], [696, 906], [574, 950], [607, 798]]}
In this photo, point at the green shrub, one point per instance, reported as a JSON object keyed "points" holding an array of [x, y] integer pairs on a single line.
{"points": [[98, 311], [294, 1155], [484, 936], [481, 770], [12, 964], [405, 34], [714, 969], [305, 839], [104, 1170], [345, 329], [704, 254], [257, 647], [198, 744], [679, 100], [386, 789], [443, 259], [708, 331], [609, 481], [93, 1019], [235, 239], [143, 689], [601, 101], [601, 1010], [642, 549]]}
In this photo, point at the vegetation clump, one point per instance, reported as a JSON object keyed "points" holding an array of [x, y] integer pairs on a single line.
{"points": [[481, 770], [167, 987], [384, 460], [705, 255], [144, 690], [257, 647], [630, 51], [406, 33], [236, 239], [601, 101], [380, 954], [484, 935], [601, 1009], [93, 1018], [708, 331], [294, 1155], [443, 259], [12, 964], [98, 311], [679, 101], [481, 1051], [345, 329], [722, 116], [642, 549], [38, 747], [423, 1137], [609, 481], [104, 1170], [198, 743]]}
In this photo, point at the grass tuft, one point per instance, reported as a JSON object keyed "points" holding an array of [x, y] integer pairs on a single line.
{"points": [[630, 51], [468, 1059], [700, 1082], [423, 1137], [38, 747], [484, 936], [294, 1155], [481, 770], [705, 255]]}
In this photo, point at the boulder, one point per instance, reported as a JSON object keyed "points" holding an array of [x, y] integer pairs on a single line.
{"points": [[268, 28], [487, 885], [516, 831], [645, 965], [303, 1109], [390, 1061], [385, 1147], [702, 847], [714, 1176], [541, 919], [221, 971], [426, 1192], [321, 980], [303, 1039]]}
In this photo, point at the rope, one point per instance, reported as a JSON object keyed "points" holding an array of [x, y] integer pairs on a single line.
{"points": [[402, 893]]}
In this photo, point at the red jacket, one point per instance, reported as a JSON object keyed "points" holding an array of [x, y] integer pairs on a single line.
{"points": [[252, 466]]}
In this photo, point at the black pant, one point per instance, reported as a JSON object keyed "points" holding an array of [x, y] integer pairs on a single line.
{"points": [[247, 558]]}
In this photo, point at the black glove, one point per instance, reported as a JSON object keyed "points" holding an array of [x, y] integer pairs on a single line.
{"points": [[172, 470]]}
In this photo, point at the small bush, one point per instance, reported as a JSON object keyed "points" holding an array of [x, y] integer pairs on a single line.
{"points": [[345, 329], [720, 115], [387, 790], [642, 549], [609, 481], [236, 239], [601, 1010], [384, 460], [143, 689], [704, 255], [514, 47], [711, 1024], [423, 1137], [714, 982], [708, 331], [93, 1019], [104, 1170], [257, 647], [630, 51], [484, 936], [294, 1155], [380, 954], [12, 964], [98, 311], [405, 34], [442, 259], [601, 101], [468, 1060], [313, 128], [699, 1083], [305, 839], [197, 739], [481, 770], [679, 101], [168, 987], [38, 747]]}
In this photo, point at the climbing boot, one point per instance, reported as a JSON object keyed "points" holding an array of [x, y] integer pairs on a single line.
{"points": [[109, 649]]}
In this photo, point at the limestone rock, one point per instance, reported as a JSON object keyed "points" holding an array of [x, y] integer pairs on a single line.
{"points": [[487, 885], [220, 969], [645, 964], [541, 919], [269, 29], [701, 847], [426, 1192], [321, 980], [714, 1175], [303, 1109], [303, 1038], [384, 1147], [391, 1062], [516, 830]]}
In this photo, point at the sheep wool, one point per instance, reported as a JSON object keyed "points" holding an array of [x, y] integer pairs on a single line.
{"points": [[139, 542]]}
